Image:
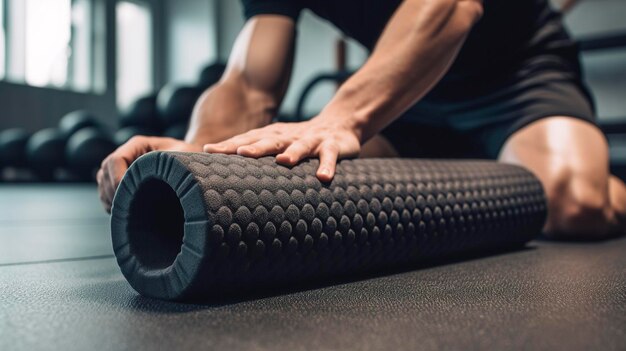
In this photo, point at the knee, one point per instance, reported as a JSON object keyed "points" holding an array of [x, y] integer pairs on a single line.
{"points": [[578, 208]]}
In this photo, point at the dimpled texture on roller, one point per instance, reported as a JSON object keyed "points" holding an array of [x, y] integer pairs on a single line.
{"points": [[251, 223]]}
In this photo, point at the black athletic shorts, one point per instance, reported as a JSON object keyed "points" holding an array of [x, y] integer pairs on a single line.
{"points": [[477, 123]]}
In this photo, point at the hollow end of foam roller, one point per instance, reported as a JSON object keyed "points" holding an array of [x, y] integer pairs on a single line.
{"points": [[149, 227], [156, 225]]}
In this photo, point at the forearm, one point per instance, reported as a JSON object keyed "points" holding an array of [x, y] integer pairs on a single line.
{"points": [[255, 82], [414, 52], [227, 109]]}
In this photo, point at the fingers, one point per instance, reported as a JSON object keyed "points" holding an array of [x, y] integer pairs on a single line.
{"points": [[328, 155], [295, 153], [109, 177], [262, 147], [115, 165], [291, 143], [103, 191], [116, 168], [109, 192], [231, 145]]}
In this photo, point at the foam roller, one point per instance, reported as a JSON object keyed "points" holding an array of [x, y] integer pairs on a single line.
{"points": [[195, 226]]}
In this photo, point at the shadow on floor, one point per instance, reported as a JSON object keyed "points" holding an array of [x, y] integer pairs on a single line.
{"points": [[119, 293]]}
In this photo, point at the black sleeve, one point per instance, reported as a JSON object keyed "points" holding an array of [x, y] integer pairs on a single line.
{"points": [[289, 8]]}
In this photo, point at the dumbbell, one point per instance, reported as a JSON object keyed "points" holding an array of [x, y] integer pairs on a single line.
{"points": [[177, 131], [175, 104], [75, 121], [45, 153], [142, 113], [123, 135], [211, 74], [46, 149], [13, 149], [85, 151]]}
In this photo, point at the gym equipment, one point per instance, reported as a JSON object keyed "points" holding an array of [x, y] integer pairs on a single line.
{"points": [[86, 150], [606, 41], [142, 113], [45, 152], [613, 127], [334, 77], [196, 225], [123, 135], [13, 148], [615, 130], [46, 149], [617, 152], [175, 103], [75, 121], [211, 74], [177, 132]]}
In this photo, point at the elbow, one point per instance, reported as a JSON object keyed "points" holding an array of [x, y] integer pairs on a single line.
{"points": [[457, 16], [469, 12]]}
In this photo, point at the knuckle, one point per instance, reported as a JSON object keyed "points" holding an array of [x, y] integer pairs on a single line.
{"points": [[330, 147], [136, 139], [305, 145], [105, 162]]}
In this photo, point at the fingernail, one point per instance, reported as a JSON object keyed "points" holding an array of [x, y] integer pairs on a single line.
{"points": [[325, 171]]}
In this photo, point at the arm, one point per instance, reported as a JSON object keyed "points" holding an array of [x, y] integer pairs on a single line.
{"points": [[253, 86], [246, 97], [415, 50]]}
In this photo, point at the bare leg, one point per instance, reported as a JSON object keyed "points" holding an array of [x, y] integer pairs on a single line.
{"points": [[571, 158]]}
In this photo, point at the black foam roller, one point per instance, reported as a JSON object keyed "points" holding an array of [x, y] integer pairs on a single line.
{"points": [[194, 226]]}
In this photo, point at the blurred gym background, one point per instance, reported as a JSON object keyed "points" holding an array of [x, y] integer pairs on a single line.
{"points": [[79, 77]]}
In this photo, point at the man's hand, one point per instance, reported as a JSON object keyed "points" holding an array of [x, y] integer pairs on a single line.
{"points": [[323, 137], [116, 164]]}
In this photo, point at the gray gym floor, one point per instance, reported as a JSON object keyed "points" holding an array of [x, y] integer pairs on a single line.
{"points": [[60, 289]]}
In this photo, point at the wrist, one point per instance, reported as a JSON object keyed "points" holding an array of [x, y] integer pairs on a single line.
{"points": [[347, 111]]}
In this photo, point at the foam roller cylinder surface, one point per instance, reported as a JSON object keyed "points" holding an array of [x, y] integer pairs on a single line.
{"points": [[193, 226]]}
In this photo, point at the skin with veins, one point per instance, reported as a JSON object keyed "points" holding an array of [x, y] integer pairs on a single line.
{"points": [[429, 33]]}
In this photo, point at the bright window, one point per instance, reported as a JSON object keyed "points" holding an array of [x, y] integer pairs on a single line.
{"points": [[48, 34], [62, 44], [82, 46], [51, 43], [134, 51], [2, 41]]}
